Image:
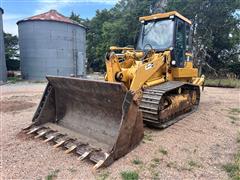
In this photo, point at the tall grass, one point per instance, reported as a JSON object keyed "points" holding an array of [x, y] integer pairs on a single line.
{"points": [[230, 83]]}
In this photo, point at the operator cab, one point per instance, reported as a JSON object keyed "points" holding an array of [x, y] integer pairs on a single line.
{"points": [[167, 31]]}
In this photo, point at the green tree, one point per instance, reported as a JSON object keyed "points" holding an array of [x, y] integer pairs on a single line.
{"points": [[11, 51], [95, 44], [216, 32], [118, 26], [78, 19]]}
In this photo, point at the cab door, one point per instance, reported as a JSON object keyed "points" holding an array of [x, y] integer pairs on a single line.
{"points": [[180, 42]]}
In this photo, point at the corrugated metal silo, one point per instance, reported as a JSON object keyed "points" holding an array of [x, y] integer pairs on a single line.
{"points": [[3, 69], [51, 44]]}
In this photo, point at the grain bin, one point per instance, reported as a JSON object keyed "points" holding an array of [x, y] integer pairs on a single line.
{"points": [[51, 44], [3, 69]]}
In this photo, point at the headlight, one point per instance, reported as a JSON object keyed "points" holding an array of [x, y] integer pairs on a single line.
{"points": [[173, 62]]}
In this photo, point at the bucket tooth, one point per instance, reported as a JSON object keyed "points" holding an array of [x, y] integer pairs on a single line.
{"points": [[84, 155], [60, 141], [61, 138], [81, 149], [71, 143], [49, 139], [71, 149], [27, 128], [32, 130], [42, 133], [97, 155], [51, 136], [59, 144], [99, 158], [99, 164]]}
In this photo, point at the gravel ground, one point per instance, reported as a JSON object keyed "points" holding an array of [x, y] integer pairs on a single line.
{"points": [[194, 148]]}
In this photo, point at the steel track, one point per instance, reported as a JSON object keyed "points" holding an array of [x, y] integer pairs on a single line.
{"points": [[151, 102]]}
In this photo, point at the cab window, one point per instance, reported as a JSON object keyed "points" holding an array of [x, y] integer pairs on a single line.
{"points": [[180, 43]]}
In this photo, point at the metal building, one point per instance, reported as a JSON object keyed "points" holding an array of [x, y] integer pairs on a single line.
{"points": [[51, 44], [3, 68]]}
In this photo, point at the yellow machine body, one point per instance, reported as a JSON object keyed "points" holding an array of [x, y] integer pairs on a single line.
{"points": [[158, 73], [154, 70], [103, 121]]}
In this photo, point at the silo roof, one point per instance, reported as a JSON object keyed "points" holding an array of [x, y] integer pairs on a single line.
{"points": [[51, 15], [1, 10]]}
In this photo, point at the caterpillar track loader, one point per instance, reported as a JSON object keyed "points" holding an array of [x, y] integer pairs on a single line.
{"points": [[154, 84]]}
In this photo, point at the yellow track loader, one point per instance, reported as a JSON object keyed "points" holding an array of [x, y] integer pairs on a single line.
{"points": [[154, 84]]}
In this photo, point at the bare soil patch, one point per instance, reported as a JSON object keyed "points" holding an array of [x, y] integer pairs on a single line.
{"points": [[9, 106], [23, 136]]}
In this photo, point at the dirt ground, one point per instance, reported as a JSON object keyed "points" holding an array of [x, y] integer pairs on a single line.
{"points": [[194, 148]]}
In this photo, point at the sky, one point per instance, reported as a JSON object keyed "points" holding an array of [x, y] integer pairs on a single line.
{"points": [[15, 10]]}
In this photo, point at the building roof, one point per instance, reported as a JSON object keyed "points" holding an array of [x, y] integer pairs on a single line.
{"points": [[1, 10], [51, 15], [164, 15]]}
